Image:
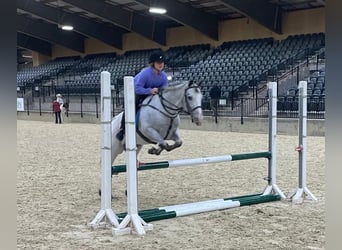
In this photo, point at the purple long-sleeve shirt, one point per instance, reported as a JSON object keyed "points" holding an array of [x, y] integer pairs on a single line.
{"points": [[148, 79]]}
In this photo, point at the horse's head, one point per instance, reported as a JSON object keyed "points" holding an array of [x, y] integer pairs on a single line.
{"points": [[193, 99]]}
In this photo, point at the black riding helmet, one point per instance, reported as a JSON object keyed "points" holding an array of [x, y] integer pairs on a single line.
{"points": [[157, 56]]}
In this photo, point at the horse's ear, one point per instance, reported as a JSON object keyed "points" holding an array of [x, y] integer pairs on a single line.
{"points": [[192, 82]]}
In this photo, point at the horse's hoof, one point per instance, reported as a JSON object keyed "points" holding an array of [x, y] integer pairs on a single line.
{"points": [[152, 151]]}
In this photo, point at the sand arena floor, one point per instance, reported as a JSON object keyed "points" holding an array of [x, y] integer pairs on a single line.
{"points": [[58, 178]]}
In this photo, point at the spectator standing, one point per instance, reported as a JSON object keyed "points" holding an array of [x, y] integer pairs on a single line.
{"points": [[215, 95], [61, 104], [56, 107]]}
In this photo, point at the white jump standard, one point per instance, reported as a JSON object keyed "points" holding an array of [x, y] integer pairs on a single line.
{"points": [[132, 223], [302, 190], [272, 186], [105, 217]]}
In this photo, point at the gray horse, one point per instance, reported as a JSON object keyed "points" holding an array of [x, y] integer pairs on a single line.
{"points": [[159, 118]]}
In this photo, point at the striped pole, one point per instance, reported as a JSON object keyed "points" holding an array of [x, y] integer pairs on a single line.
{"points": [[167, 212], [302, 189], [105, 217], [194, 161]]}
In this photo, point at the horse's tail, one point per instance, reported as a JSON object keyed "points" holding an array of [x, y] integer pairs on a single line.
{"points": [[115, 123], [115, 127]]}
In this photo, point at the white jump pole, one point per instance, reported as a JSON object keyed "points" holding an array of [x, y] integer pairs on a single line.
{"points": [[302, 190], [272, 187], [105, 217], [132, 223]]}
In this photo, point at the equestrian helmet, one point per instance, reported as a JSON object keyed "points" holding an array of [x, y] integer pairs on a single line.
{"points": [[157, 56]]}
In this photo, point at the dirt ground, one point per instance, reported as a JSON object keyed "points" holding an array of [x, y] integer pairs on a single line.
{"points": [[58, 178]]}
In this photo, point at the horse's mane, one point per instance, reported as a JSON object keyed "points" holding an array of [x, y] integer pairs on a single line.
{"points": [[173, 85], [176, 84]]}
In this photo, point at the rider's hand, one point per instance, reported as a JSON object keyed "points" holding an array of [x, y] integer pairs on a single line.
{"points": [[154, 91]]}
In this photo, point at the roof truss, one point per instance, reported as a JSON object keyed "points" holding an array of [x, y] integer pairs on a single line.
{"points": [[50, 32], [143, 25], [262, 11], [109, 35], [204, 22]]}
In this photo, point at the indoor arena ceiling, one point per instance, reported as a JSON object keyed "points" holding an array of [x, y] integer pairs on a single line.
{"points": [[38, 21]]}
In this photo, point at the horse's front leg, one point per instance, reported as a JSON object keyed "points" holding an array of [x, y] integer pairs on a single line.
{"points": [[177, 139], [154, 135], [160, 147]]}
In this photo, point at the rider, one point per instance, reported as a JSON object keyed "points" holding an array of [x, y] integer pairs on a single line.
{"points": [[147, 82]]}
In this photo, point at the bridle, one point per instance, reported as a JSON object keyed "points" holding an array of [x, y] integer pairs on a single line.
{"points": [[172, 109]]}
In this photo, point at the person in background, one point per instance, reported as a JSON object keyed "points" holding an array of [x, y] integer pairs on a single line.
{"points": [[147, 82], [61, 104], [60, 100], [215, 95], [56, 107]]}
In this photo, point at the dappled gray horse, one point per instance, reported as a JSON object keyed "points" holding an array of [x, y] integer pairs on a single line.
{"points": [[159, 118]]}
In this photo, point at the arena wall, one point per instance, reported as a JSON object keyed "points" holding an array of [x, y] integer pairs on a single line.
{"points": [[286, 126]]}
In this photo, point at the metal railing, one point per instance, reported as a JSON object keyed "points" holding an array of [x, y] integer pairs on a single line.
{"points": [[230, 107]]}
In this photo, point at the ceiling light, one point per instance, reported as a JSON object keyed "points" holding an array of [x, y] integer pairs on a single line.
{"points": [[67, 27], [27, 56], [157, 10]]}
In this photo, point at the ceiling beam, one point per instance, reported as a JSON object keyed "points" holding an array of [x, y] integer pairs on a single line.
{"points": [[50, 32], [34, 44], [109, 35], [262, 11], [130, 21], [205, 23]]}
